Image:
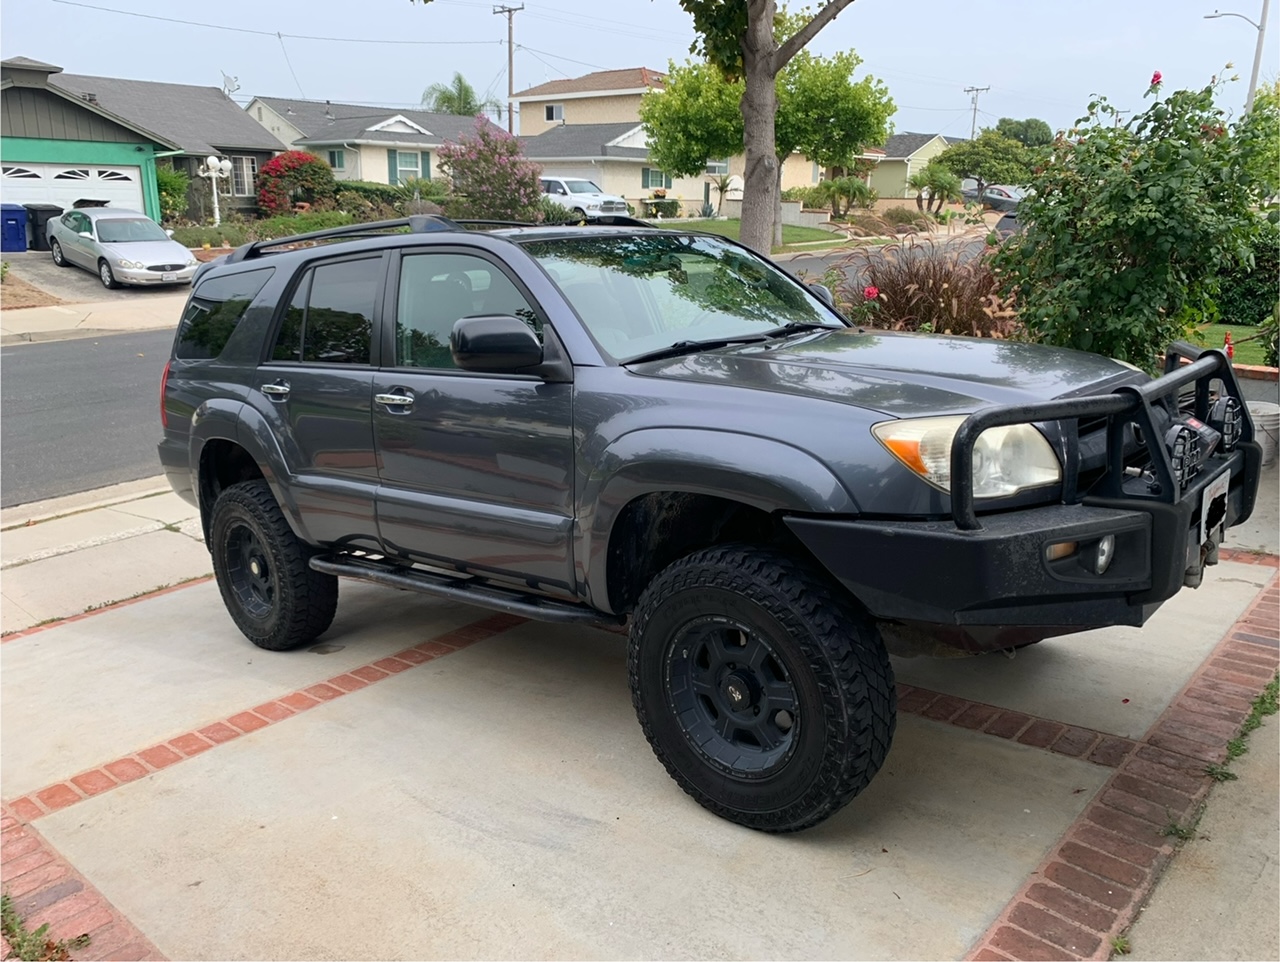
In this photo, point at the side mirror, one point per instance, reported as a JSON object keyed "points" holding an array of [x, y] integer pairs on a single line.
{"points": [[822, 293], [496, 342], [168, 232], [85, 233]]}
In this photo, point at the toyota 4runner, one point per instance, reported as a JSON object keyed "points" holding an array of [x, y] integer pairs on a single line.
{"points": [[618, 425]]}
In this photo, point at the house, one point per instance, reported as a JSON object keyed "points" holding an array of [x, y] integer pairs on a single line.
{"points": [[904, 155], [603, 97], [362, 142], [59, 146]]}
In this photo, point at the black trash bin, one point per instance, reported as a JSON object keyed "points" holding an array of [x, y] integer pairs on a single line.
{"points": [[38, 215]]}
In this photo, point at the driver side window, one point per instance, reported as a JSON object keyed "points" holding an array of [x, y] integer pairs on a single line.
{"points": [[436, 290]]}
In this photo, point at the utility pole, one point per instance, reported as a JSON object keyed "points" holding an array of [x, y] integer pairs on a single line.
{"points": [[511, 61], [974, 91]]}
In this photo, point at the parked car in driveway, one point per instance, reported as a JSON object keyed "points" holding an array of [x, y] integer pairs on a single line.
{"points": [[582, 197], [120, 246], [1002, 197]]}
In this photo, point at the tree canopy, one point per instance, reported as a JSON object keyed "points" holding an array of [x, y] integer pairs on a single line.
{"points": [[1032, 132], [457, 97], [990, 158]]}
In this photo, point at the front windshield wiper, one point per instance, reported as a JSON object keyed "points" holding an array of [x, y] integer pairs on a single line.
{"points": [[689, 347], [799, 327]]}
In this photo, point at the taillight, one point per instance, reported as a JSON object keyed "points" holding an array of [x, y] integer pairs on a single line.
{"points": [[164, 383]]}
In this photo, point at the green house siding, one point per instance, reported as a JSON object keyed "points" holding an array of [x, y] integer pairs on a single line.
{"points": [[18, 150]]}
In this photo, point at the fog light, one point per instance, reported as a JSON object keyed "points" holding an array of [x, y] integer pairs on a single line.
{"points": [[1101, 554], [1062, 549]]}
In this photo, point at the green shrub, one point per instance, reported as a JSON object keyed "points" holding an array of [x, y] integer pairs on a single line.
{"points": [[549, 212], [490, 176], [812, 198], [227, 235], [287, 225], [665, 208], [294, 175], [1246, 294], [172, 185], [364, 192], [4, 270], [1269, 332], [905, 215]]}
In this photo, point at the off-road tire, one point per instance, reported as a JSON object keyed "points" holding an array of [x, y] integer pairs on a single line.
{"points": [[300, 602], [59, 257], [832, 654]]}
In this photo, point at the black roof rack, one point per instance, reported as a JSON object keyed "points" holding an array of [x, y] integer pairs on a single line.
{"points": [[417, 224]]}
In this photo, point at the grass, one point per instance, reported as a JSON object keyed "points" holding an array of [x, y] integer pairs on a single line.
{"points": [[791, 234], [34, 946], [1120, 945], [1247, 352]]}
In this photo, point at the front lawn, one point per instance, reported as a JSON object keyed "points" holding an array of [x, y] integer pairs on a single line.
{"points": [[729, 228], [1247, 352]]}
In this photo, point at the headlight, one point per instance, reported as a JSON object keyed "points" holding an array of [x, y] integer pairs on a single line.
{"points": [[1005, 460], [130, 265], [595, 206], [192, 262]]}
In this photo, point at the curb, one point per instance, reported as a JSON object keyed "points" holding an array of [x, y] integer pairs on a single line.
{"points": [[35, 512], [1097, 877]]}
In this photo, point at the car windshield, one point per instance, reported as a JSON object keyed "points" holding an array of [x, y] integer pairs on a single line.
{"points": [[641, 293], [122, 230], [582, 187]]}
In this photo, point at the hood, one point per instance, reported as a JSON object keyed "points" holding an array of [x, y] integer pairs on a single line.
{"points": [[903, 375], [149, 252], [596, 195]]}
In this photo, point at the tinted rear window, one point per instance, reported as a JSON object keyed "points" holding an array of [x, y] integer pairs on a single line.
{"points": [[216, 307]]}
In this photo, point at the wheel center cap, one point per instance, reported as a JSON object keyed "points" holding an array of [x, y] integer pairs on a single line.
{"points": [[738, 692], [256, 568]]}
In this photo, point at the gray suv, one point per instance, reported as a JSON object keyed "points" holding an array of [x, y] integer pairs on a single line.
{"points": [[615, 425]]}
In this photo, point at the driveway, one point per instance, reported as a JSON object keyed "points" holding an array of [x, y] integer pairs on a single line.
{"points": [[73, 284]]}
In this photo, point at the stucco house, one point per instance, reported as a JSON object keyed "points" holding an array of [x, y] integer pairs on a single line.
{"points": [[603, 97], [904, 155], [188, 122], [58, 147], [361, 142]]}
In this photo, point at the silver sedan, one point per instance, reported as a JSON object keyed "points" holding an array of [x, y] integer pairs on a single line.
{"points": [[120, 246]]}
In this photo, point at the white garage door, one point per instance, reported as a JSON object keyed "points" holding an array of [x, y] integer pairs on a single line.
{"points": [[65, 184], [593, 174]]}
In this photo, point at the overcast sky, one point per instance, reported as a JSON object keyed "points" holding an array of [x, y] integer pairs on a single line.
{"points": [[1040, 58]]}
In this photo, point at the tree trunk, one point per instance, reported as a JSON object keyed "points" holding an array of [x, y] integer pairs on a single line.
{"points": [[919, 200], [777, 210], [759, 107]]}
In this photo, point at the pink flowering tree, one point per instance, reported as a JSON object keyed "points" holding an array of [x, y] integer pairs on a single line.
{"points": [[492, 179]]}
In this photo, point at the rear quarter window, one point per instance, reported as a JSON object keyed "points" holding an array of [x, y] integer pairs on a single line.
{"points": [[216, 307]]}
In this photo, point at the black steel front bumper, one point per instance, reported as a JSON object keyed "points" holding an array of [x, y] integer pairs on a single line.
{"points": [[981, 582]]}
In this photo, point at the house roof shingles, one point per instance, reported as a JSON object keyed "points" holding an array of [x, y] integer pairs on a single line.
{"points": [[200, 120], [631, 78], [324, 122], [582, 140], [902, 146]]}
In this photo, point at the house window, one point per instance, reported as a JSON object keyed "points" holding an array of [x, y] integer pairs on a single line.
{"points": [[817, 173], [718, 168], [338, 159], [651, 179], [243, 172], [407, 165], [259, 113], [555, 113]]}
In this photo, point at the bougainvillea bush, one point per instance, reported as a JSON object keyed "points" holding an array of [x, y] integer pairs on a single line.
{"points": [[1128, 225], [290, 177], [491, 178]]}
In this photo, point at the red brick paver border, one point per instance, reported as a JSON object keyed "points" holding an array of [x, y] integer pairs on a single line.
{"points": [[111, 775], [1102, 870], [46, 889]]}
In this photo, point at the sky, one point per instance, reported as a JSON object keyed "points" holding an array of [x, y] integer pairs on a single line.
{"points": [[1040, 58]]}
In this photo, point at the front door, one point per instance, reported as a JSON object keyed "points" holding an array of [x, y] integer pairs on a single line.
{"points": [[315, 391], [477, 469]]}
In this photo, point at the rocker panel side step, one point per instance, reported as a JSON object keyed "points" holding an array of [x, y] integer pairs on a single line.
{"points": [[470, 592]]}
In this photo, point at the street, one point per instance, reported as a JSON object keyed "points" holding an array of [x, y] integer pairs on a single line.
{"points": [[80, 414]]}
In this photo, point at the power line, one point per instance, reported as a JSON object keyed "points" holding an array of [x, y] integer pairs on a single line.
{"points": [[289, 64], [556, 56], [975, 91]]}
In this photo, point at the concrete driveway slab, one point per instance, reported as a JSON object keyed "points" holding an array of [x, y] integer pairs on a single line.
{"points": [[175, 663], [167, 508], [24, 545], [1085, 679], [501, 802]]}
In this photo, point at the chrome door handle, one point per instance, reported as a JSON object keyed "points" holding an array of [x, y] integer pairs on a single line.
{"points": [[393, 400], [279, 390]]}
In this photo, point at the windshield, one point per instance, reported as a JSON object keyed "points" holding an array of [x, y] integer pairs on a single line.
{"points": [[638, 294], [582, 187], [122, 230]]}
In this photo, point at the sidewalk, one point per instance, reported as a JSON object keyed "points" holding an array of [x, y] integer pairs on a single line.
{"points": [[157, 311]]}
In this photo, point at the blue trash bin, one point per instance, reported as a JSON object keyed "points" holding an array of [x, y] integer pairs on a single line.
{"points": [[13, 227]]}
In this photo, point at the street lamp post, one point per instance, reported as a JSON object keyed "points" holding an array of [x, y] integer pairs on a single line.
{"points": [[212, 169], [1257, 55]]}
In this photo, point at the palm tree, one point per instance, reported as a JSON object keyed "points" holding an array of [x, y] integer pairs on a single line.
{"points": [[919, 182], [458, 97]]}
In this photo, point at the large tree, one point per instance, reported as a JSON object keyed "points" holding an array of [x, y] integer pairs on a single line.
{"points": [[457, 97], [1032, 132], [990, 158], [738, 38], [821, 113]]}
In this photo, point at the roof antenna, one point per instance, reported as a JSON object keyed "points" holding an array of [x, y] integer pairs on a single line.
{"points": [[329, 113]]}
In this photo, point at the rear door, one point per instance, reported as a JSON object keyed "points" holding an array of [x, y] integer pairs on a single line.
{"points": [[477, 469], [315, 391]]}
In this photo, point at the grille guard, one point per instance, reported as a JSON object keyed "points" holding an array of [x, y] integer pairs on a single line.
{"points": [[1129, 403]]}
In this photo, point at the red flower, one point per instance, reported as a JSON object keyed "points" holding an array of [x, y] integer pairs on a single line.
{"points": [[871, 293], [1156, 78]]}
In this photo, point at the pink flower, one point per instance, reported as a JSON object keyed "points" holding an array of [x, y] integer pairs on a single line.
{"points": [[1156, 78], [871, 292]]}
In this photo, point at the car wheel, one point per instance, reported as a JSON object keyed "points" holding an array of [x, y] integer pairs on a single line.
{"points": [[104, 274], [262, 569], [58, 257], [581, 214], [768, 697]]}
